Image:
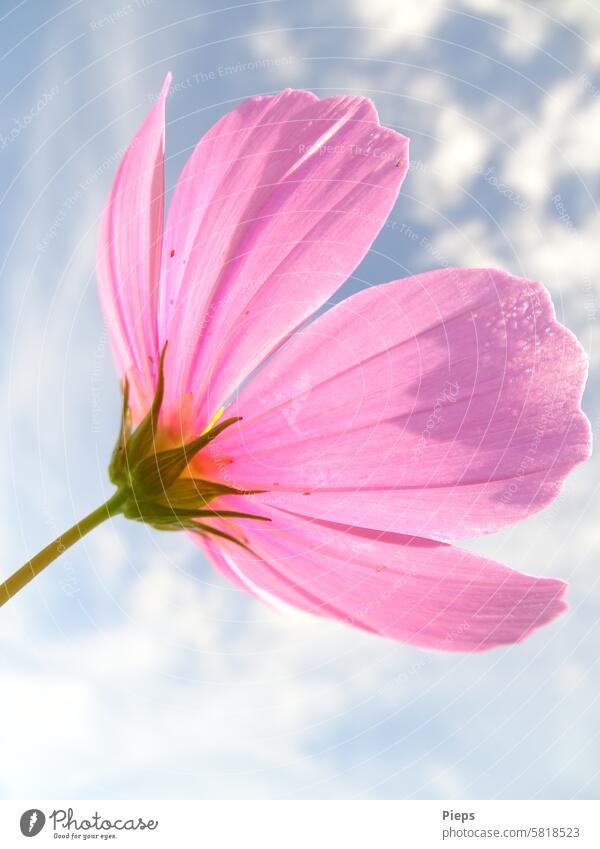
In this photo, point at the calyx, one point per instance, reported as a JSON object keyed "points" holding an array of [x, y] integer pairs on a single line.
{"points": [[151, 483]]}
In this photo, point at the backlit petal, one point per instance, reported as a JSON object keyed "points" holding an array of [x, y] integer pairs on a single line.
{"points": [[129, 253], [414, 590], [444, 405], [275, 208]]}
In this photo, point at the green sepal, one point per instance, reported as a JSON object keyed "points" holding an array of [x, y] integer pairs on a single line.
{"points": [[195, 492], [142, 440], [156, 514], [207, 529], [157, 472], [117, 471], [166, 519], [150, 481]]}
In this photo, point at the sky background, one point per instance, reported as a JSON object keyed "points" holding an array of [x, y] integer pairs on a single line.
{"points": [[130, 669]]}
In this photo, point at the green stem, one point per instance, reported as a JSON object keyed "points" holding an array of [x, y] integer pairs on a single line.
{"points": [[33, 567]]}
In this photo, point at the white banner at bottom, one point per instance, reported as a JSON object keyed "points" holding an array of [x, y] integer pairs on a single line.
{"points": [[301, 824]]}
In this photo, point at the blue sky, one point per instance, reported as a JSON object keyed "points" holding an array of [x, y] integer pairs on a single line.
{"points": [[130, 669]]}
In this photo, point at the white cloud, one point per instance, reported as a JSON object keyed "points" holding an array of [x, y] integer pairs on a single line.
{"points": [[557, 144], [388, 23]]}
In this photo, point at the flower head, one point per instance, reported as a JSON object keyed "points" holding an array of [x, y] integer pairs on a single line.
{"points": [[324, 460]]}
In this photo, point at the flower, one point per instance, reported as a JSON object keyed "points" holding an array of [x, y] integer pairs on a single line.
{"points": [[355, 442]]}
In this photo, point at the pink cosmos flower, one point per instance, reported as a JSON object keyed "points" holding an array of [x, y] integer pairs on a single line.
{"points": [[355, 442], [427, 409]]}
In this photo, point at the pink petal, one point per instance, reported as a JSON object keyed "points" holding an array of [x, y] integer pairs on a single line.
{"points": [[414, 590], [444, 405], [129, 253], [277, 205]]}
